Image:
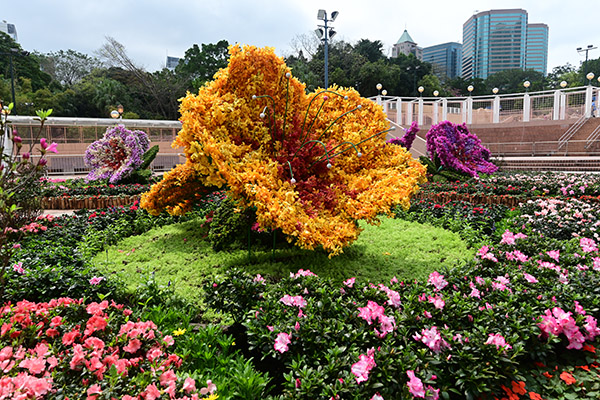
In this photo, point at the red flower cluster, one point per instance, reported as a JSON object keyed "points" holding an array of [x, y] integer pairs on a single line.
{"points": [[70, 345]]}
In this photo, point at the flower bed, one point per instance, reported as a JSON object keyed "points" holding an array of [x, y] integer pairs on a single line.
{"points": [[518, 321], [69, 349], [90, 203]]}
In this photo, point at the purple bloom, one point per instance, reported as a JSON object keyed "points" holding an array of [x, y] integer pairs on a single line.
{"points": [[458, 149], [407, 139], [116, 155]]}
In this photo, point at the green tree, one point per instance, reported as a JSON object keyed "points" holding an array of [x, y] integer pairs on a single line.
{"points": [[24, 65], [200, 63], [68, 67], [511, 81], [567, 73], [592, 66], [371, 50], [431, 83], [157, 91]]}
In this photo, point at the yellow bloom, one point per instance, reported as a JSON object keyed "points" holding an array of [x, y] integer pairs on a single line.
{"points": [[311, 165], [179, 332]]}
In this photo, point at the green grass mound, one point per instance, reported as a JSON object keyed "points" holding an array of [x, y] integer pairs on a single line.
{"points": [[179, 255]]}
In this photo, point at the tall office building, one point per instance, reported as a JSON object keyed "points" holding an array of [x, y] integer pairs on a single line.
{"points": [[536, 52], [498, 40], [406, 45], [172, 62], [445, 59], [9, 29]]}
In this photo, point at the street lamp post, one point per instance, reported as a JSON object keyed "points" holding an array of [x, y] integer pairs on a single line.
{"points": [[586, 50], [10, 54], [325, 32], [589, 77], [118, 113], [414, 68]]}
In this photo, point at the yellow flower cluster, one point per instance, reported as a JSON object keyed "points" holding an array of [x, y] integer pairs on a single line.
{"points": [[311, 165]]}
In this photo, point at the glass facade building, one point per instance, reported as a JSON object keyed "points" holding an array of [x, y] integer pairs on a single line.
{"points": [[536, 52], [445, 59], [498, 40]]}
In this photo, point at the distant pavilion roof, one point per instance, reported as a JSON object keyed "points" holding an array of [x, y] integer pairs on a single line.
{"points": [[405, 38]]}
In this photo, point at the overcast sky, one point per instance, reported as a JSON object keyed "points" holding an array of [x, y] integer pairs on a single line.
{"points": [[151, 29]]}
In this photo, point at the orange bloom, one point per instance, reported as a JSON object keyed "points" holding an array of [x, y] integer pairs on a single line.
{"points": [[310, 165], [590, 348], [534, 396], [547, 375], [511, 395], [519, 387], [567, 377]]}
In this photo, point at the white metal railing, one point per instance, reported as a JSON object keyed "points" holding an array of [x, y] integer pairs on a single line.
{"points": [[593, 138], [73, 164], [561, 104], [573, 129]]}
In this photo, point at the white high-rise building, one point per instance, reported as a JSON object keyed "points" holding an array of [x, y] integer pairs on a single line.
{"points": [[9, 29]]}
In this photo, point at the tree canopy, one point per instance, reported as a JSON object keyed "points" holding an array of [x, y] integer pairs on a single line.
{"points": [[77, 84]]}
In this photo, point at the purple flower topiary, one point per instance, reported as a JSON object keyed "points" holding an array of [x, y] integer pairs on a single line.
{"points": [[407, 139], [116, 155], [458, 149]]}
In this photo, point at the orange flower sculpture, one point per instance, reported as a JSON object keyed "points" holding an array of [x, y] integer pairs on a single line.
{"points": [[311, 165]]}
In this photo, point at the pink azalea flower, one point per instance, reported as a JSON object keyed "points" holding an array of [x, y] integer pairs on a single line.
{"points": [[302, 272], [151, 392], [371, 312], [297, 301], [498, 341], [591, 326], [97, 308], [167, 378], [133, 346], [437, 280], [437, 301], [554, 254], [588, 245], [432, 339], [51, 148], [349, 282], [34, 365], [167, 340], [508, 237], [361, 368], [96, 280], [486, 255], [415, 385], [189, 385], [93, 391], [210, 388], [18, 268], [281, 342], [377, 396], [529, 278], [596, 264]]}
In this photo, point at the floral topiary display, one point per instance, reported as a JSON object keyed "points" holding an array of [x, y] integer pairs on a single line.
{"points": [[310, 165], [455, 148], [117, 154]]}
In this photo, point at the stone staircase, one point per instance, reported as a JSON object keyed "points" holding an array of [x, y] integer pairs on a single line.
{"points": [[553, 163]]}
